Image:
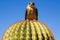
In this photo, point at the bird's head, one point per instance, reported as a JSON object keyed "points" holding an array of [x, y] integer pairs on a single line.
{"points": [[31, 4]]}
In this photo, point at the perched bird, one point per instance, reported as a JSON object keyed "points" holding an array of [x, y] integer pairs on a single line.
{"points": [[31, 12]]}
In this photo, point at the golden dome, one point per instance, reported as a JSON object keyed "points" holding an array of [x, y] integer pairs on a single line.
{"points": [[28, 30]]}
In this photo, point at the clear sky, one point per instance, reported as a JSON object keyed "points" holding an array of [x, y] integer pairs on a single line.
{"points": [[14, 10]]}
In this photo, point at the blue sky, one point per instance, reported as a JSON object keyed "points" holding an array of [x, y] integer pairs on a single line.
{"points": [[14, 10]]}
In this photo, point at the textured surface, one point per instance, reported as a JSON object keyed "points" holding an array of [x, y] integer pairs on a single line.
{"points": [[28, 30]]}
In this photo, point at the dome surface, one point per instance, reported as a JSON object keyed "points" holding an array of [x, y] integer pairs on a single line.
{"points": [[28, 30]]}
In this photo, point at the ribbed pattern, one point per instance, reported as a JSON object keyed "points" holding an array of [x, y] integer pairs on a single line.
{"points": [[28, 30]]}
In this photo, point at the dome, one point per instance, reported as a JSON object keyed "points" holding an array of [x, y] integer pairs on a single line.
{"points": [[28, 30]]}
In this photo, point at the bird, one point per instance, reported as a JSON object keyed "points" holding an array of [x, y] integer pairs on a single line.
{"points": [[31, 12]]}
